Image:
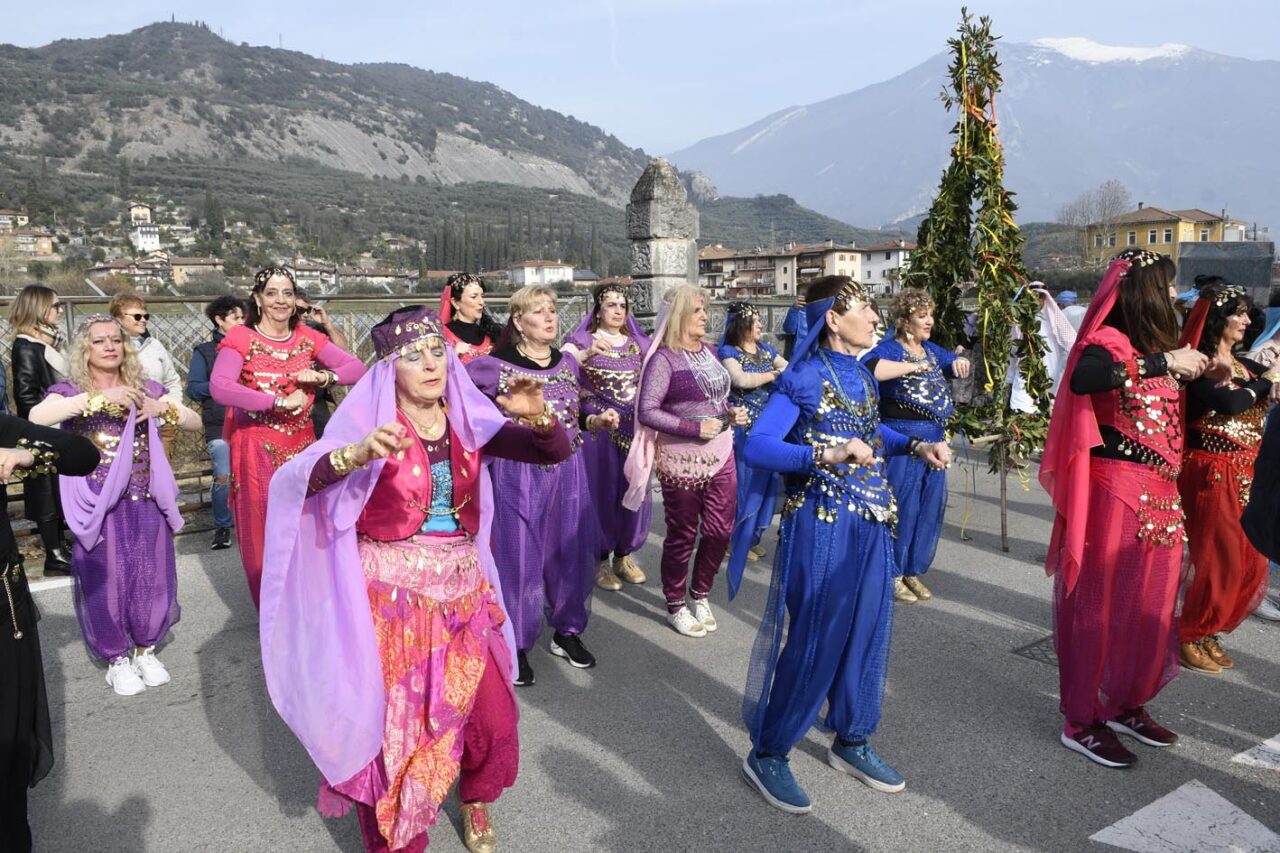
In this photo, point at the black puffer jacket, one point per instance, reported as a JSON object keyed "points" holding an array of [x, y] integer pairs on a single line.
{"points": [[32, 374]]}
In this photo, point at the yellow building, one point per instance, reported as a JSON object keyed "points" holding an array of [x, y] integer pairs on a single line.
{"points": [[1152, 228]]}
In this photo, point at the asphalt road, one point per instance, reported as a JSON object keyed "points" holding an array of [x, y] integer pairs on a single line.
{"points": [[642, 753]]}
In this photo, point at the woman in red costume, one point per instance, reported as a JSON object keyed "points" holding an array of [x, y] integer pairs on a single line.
{"points": [[1111, 467], [468, 327], [268, 370], [1224, 430]]}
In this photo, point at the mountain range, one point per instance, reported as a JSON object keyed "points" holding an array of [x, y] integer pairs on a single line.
{"points": [[1180, 127]]}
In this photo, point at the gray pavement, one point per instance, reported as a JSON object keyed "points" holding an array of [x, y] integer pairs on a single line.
{"points": [[642, 753]]}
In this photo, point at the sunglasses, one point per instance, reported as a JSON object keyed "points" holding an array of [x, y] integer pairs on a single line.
{"points": [[304, 311], [139, 318], [58, 306]]}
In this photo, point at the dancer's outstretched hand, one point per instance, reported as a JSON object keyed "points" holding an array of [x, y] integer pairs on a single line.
{"points": [[381, 442], [961, 368], [936, 455], [523, 398]]}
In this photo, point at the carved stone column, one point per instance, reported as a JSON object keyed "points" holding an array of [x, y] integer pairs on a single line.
{"points": [[663, 228]]}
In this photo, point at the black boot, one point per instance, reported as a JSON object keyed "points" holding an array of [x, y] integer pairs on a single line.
{"points": [[57, 561]]}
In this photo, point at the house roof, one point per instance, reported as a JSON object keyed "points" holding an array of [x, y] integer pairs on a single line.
{"points": [[534, 264], [5, 211], [194, 262], [1195, 214], [584, 275], [889, 246], [32, 232], [1147, 213]]}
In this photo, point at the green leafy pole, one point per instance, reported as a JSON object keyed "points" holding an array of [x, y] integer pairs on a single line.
{"points": [[961, 248]]}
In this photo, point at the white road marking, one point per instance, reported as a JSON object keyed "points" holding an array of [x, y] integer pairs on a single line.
{"points": [[1266, 755], [49, 583], [1191, 819]]}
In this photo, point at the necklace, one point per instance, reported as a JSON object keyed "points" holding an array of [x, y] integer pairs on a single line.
{"points": [[537, 359], [431, 431], [258, 329]]}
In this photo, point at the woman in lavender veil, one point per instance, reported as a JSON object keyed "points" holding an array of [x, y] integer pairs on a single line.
{"points": [[384, 641], [609, 346], [125, 513]]}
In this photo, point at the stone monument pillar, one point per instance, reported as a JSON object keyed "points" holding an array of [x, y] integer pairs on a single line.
{"points": [[663, 228]]}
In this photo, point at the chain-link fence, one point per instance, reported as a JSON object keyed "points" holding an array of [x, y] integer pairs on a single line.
{"points": [[180, 325]]}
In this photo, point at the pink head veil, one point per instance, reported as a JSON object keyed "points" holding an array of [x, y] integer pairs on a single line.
{"points": [[644, 447]]}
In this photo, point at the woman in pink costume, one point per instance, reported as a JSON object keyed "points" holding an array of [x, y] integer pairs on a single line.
{"points": [[384, 642], [1111, 466], [268, 370]]}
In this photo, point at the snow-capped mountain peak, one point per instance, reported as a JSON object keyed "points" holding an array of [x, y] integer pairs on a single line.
{"points": [[1087, 50]]}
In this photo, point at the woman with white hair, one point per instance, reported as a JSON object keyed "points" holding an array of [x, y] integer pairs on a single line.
{"points": [[125, 513]]}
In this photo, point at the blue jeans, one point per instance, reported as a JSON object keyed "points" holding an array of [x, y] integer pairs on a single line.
{"points": [[220, 453]]}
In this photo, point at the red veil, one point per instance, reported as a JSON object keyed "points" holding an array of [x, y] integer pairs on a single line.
{"points": [[1073, 432]]}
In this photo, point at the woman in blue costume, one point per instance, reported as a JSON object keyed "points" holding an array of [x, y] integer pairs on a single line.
{"points": [[915, 399], [753, 365], [833, 567]]}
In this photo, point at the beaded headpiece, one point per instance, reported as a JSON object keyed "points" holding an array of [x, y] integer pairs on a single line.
{"points": [[403, 330], [851, 294], [1139, 257], [743, 309], [458, 282], [262, 276], [912, 300], [82, 328], [619, 289], [1229, 293]]}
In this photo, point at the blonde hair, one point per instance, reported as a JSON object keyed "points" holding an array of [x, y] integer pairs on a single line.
{"points": [[78, 357], [123, 300], [27, 311], [525, 299], [907, 303], [683, 300]]}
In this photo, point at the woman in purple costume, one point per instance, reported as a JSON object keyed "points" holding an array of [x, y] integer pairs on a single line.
{"points": [[609, 347], [125, 513], [684, 434], [543, 546]]}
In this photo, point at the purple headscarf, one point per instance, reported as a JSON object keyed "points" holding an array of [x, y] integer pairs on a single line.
{"points": [[319, 654], [580, 337]]}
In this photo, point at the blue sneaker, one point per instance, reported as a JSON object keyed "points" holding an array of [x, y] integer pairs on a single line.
{"points": [[861, 762], [772, 778]]}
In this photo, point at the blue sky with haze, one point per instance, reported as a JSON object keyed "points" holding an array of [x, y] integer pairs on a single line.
{"points": [[662, 74]]}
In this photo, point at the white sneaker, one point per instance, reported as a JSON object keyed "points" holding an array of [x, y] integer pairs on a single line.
{"points": [[684, 623], [149, 667], [123, 678], [1267, 610], [702, 612]]}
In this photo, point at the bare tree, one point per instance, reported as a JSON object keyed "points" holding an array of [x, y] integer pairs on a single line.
{"points": [[1098, 208]]}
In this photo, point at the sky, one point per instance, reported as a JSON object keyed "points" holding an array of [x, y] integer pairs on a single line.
{"points": [[663, 74]]}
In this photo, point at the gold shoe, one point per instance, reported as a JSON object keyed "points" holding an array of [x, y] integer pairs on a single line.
{"points": [[477, 828], [1213, 647], [917, 586], [755, 552], [1195, 657], [902, 594], [605, 578], [626, 570]]}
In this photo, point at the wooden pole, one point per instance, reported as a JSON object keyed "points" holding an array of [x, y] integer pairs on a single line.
{"points": [[1004, 503]]}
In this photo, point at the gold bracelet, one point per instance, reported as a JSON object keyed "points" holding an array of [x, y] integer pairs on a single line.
{"points": [[171, 415], [541, 423], [343, 460]]}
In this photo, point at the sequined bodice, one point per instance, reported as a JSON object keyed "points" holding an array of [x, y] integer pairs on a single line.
{"points": [[106, 432], [611, 381], [709, 373], [753, 399], [440, 513], [927, 392], [559, 389], [846, 409], [1221, 433], [270, 367], [1148, 415]]}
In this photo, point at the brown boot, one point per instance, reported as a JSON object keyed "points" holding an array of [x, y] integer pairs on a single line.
{"points": [[477, 828], [1213, 646], [1195, 657]]}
